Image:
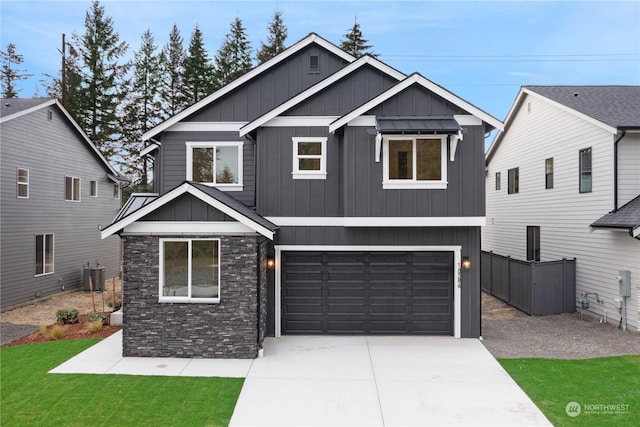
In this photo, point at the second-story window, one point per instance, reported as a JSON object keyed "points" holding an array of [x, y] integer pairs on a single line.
{"points": [[415, 162], [93, 190], [215, 163], [513, 179], [548, 173], [585, 170], [309, 158], [23, 183], [71, 189], [498, 181]]}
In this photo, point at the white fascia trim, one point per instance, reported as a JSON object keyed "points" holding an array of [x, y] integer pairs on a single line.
{"points": [[26, 111], [260, 121], [427, 84], [295, 121], [467, 120], [635, 232], [182, 228], [178, 191], [460, 221], [149, 149], [311, 38], [206, 127], [457, 280], [366, 121]]}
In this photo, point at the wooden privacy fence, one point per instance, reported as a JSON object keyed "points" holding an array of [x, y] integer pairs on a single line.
{"points": [[537, 288]]}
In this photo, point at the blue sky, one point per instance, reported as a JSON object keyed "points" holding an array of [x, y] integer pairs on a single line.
{"points": [[482, 50]]}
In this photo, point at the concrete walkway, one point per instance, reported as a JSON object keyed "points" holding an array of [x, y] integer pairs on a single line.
{"points": [[372, 381]]}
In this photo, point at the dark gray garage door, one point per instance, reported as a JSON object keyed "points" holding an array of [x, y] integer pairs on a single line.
{"points": [[367, 293]]}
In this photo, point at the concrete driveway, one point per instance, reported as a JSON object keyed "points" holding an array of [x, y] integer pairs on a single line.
{"points": [[380, 381]]}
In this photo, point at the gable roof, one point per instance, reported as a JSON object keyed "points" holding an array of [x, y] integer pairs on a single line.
{"points": [[628, 216], [144, 204], [418, 79], [608, 107], [13, 108], [312, 38], [335, 77]]}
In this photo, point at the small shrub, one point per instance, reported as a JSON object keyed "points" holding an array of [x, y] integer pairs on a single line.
{"points": [[67, 316], [42, 330], [117, 307], [94, 317], [95, 326], [57, 332]]}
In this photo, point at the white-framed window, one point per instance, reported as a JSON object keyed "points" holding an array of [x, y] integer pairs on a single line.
{"points": [[418, 162], [72, 189], [585, 183], [309, 158], [22, 180], [116, 190], [217, 164], [44, 254], [93, 188], [513, 181], [190, 270]]}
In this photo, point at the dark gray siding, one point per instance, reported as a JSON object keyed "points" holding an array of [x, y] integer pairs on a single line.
{"points": [[467, 237], [174, 161], [186, 208], [271, 88], [416, 101], [51, 150]]}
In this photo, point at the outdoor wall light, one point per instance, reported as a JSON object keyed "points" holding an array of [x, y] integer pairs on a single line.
{"points": [[466, 263], [271, 263]]}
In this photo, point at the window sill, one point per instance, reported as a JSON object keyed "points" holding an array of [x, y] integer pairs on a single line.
{"points": [[43, 274], [224, 187], [309, 175], [413, 185], [185, 300]]}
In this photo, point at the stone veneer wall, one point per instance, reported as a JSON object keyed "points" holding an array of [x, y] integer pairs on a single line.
{"points": [[228, 329], [262, 262]]}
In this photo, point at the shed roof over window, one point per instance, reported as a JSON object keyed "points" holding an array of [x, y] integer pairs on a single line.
{"points": [[417, 125]]}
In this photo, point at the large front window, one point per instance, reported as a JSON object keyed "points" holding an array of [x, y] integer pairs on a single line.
{"points": [[218, 164], [415, 162], [189, 270]]}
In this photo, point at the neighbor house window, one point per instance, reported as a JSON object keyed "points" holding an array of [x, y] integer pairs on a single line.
{"points": [[189, 270], [44, 254], [533, 243], [585, 170], [415, 162], [497, 180], [94, 189], [116, 191], [309, 158], [548, 173], [23, 184], [513, 181], [215, 163], [72, 188]]}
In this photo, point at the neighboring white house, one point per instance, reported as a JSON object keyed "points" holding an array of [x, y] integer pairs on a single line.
{"points": [[563, 181]]}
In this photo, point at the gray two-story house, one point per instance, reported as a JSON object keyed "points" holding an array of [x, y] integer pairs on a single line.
{"points": [[317, 194], [56, 190]]}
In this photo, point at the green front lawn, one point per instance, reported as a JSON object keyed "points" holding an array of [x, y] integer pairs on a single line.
{"points": [[30, 396], [607, 389]]}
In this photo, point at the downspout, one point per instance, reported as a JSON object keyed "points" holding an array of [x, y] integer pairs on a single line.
{"points": [[615, 170]]}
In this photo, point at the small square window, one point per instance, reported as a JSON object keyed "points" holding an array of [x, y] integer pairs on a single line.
{"points": [[513, 181], [548, 173], [309, 158], [71, 189], [94, 188], [497, 180], [585, 171], [23, 184]]}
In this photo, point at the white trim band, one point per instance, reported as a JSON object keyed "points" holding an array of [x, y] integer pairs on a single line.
{"points": [[381, 221], [183, 228]]}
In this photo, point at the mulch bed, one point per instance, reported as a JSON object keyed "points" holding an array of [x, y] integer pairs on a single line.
{"points": [[79, 330]]}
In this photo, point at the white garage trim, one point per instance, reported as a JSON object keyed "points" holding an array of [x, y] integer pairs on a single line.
{"points": [[457, 250]]}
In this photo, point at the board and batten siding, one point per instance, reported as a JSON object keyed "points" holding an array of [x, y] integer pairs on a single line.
{"points": [[539, 131], [51, 150], [628, 168]]}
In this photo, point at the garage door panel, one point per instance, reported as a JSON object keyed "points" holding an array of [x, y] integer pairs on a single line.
{"points": [[388, 308]]}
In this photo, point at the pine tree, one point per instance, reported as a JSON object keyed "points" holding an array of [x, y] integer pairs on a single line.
{"points": [[354, 43], [142, 108], [277, 36], [9, 75], [233, 59], [198, 72], [100, 91], [173, 57]]}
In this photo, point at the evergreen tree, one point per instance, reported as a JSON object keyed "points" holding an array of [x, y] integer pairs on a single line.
{"points": [[275, 39], [142, 108], [173, 58], [97, 97], [9, 75], [233, 59], [198, 72], [354, 43]]}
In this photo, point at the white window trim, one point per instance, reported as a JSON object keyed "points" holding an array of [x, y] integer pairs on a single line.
{"points": [[306, 174], [188, 298], [212, 144], [44, 254], [395, 184], [91, 188], [73, 179], [21, 183]]}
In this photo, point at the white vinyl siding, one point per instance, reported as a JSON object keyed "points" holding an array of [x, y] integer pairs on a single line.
{"points": [[628, 168], [564, 214]]}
